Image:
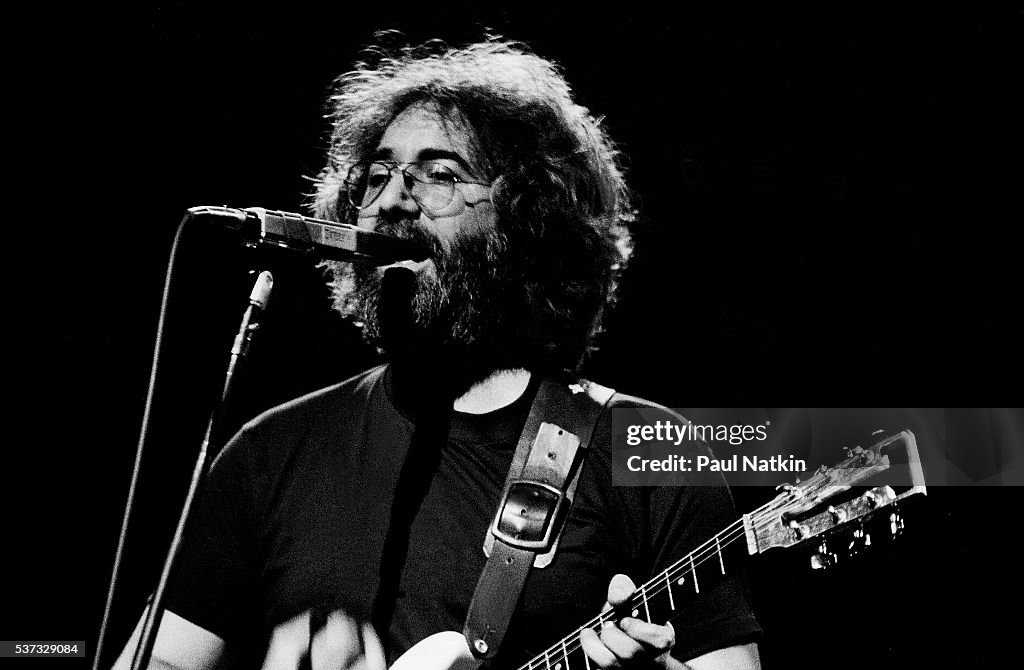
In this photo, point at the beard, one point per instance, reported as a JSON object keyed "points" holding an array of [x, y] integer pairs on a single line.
{"points": [[444, 305], [492, 301], [456, 310]]}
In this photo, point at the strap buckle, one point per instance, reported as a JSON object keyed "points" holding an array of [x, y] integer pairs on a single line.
{"points": [[529, 515]]}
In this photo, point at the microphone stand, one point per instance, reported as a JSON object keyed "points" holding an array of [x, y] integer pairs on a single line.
{"points": [[250, 323]]}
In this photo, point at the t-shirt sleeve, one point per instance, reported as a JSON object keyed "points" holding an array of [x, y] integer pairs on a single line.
{"points": [[215, 583]]}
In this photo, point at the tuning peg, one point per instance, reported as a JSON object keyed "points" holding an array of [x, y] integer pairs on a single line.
{"points": [[872, 499], [895, 524], [861, 540], [800, 531], [838, 515], [823, 559]]}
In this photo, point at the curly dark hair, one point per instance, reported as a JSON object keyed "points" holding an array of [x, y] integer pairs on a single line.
{"points": [[556, 172]]}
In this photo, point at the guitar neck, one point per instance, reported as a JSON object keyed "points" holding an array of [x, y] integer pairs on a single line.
{"points": [[793, 516], [659, 599]]}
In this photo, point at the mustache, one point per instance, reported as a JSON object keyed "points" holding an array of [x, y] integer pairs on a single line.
{"points": [[413, 232]]}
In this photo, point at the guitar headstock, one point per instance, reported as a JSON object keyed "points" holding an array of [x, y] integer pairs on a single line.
{"points": [[827, 500]]}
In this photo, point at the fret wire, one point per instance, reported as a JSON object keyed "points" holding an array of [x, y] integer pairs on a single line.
{"points": [[643, 593], [602, 617], [693, 571], [678, 566], [697, 557], [565, 654], [668, 585], [718, 548], [737, 530], [757, 517]]}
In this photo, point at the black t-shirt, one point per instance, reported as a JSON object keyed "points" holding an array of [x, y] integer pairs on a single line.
{"points": [[298, 506]]}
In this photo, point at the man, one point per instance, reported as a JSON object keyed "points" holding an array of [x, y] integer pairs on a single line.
{"points": [[371, 499]]}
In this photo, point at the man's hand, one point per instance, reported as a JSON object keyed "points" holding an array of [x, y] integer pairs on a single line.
{"points": [[630, 643], [342, 644]]}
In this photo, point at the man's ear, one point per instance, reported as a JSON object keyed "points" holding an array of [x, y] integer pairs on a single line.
{"points": [[500, 190]]}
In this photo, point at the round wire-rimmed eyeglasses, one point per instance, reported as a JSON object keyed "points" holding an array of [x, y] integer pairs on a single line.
{"points": [[430, 183]]}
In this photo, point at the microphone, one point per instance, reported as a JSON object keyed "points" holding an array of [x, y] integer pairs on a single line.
{"points": [[312, 237], [258, 300], [260, 295]]}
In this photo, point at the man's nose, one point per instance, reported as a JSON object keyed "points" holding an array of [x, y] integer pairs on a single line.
{"points": [[396, 200]]}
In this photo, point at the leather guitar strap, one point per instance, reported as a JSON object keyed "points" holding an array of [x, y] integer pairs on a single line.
{"points": [[538, 494]]}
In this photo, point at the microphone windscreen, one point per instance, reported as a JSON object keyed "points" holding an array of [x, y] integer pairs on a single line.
{"points": [[260, 295], [395, 307], [399, 282]]}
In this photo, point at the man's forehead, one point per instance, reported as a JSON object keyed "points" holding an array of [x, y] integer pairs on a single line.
{"points": [[423, 126]]}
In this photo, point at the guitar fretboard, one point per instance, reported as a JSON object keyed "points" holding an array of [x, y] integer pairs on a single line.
{"points": [[658, 600], [662, 597]]}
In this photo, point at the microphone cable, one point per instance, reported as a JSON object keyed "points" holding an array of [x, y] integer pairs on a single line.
{"points": [[144, 430]]}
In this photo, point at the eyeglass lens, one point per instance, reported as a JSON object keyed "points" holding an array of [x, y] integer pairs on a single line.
{"points": [[431, 184]]}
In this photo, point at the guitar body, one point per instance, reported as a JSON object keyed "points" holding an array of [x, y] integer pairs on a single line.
{"points": [[440, 651]]}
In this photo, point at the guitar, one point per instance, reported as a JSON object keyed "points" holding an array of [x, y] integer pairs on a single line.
{"points": [[800, 512]]}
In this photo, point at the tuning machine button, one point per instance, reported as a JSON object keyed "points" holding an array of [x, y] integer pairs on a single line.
{"points": [[823, 559], [861, 540], [896, 524]]}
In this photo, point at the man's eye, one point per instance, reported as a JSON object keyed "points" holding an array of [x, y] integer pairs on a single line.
{"points": [[439, 174], [377, 179]]}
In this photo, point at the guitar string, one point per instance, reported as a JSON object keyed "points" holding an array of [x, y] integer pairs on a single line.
{"points": [[760, 518], [574, 644], [727, 536]]}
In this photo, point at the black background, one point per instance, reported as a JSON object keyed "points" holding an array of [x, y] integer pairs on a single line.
{"points": [[830, 197]]}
